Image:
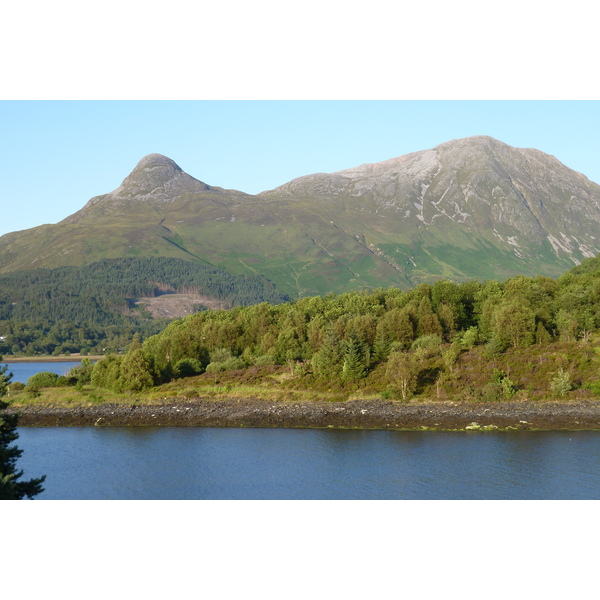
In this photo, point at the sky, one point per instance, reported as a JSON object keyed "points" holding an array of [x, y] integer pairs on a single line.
{"points": [[57, 154]]}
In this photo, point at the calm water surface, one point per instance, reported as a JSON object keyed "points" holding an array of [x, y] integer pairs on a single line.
{"points": [[214, 463], [23, 371]]}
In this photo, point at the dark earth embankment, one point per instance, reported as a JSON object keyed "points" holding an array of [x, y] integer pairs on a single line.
{"points": [[359, 414]]}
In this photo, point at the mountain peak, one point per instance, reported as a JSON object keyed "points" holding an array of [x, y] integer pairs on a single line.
{"points": [[152, 161], [156, 180]]}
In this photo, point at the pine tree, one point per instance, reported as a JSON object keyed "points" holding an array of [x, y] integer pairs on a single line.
{"points": [[327, 361], [10, 486], [383, 342], [356, 358]]}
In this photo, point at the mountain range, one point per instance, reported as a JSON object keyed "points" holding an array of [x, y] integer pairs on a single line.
{"points": [[468, 208]]}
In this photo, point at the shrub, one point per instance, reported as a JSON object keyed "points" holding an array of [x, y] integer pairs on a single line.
{"points": [[470, 337], [593, 386], [427, 341], [215, 367], [188, 367], [43, 379], [495, 347], [82, 373], [561, 383], [265, 359], [233, 363]]}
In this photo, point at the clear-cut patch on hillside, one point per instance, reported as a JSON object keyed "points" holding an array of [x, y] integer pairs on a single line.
{"points": [[175, 306]]}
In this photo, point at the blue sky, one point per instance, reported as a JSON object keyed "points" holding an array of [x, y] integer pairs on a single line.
{"points": [[56, 155]]}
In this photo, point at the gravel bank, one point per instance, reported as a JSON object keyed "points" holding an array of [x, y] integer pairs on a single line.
{"points": [[380, 414]]}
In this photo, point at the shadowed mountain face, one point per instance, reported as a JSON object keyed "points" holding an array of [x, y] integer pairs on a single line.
{"points": [[469, 208]]}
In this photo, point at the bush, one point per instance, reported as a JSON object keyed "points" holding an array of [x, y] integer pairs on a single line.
{"points": [[427, 341], [188, 367], [265, 359], [593, 386], [82, 373], [470, 337], [233, 363], [17, 386], [495, 347], [43, 379], [561, 383]]}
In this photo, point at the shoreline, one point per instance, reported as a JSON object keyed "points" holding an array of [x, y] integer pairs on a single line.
{"points": [[49, 359], [351, 414]]}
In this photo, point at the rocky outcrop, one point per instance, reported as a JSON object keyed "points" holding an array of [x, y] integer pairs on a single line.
{"points": [[519, 200]]}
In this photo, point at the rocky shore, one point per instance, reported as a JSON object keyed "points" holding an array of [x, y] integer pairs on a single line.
{"points": [[355, 414]]}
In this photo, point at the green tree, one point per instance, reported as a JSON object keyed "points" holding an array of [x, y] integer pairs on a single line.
{"points": [[470, 337], [188, 367], [514, 323], [327, 362], [356, 358], [383, 341], [136, 370], [541, 335], [82, 373], [10, 486], [561, 383], [106, 373], [43, 379], [402, 371]]}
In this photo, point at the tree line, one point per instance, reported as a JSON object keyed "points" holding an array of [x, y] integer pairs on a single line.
{"points": [[345, 338], [91, 308]]}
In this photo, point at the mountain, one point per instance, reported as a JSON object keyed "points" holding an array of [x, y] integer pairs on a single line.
{"points": [[468, 208]]}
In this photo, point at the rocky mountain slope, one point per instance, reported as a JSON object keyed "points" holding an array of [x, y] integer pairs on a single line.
{"points": [[469, 208]]}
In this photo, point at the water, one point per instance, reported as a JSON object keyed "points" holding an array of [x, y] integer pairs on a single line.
{"points": [[22, 371], [253, 464], [213, 463]]}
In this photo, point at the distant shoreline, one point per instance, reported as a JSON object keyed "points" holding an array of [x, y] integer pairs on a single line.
{"points": [[49, 359]]}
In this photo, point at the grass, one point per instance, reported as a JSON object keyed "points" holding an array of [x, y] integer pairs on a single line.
{"points": [[530, 369]]}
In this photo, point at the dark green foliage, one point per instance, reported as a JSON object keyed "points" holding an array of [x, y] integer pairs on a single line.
{"points": [[356, 358], [10, 486], [495, 347], [82, 373], [72, 309], [136, 370], [343, 337], [327, 362], [106, 373], [349, 340], [43, 379], [188, 367], [383, 342]]}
